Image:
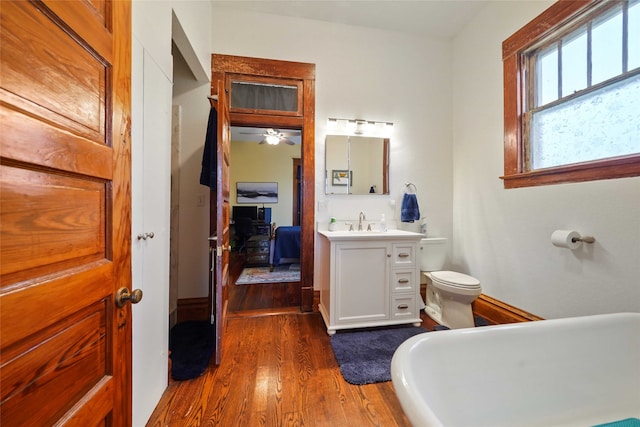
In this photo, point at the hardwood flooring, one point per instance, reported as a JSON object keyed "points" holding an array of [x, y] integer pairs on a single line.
{"points": [[246, 299], [278, 369]]}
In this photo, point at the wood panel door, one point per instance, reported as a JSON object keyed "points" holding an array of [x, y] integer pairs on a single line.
{"points": [[222, 217], [65, 220]]}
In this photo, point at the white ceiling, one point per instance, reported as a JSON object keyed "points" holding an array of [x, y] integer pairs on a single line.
{"points": [[433, 18]]}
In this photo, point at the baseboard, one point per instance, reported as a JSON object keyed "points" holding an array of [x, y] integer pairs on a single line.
{"points": [[498, 312], [193, 309]]}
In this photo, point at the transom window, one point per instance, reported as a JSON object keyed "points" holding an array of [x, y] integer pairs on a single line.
{"points": [[572, 95]]}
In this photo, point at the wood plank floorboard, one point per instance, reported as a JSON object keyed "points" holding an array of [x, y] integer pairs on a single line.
{"points": [[244, 298], [277, 370]]}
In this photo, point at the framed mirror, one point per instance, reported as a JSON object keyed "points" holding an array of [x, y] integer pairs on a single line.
{"points": [[356, 165]]}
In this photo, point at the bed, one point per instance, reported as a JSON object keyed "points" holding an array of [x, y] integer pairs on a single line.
{"points": [[286, 246]]}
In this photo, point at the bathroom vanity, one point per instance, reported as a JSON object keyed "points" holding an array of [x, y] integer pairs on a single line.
{"points": [[369, 278]]}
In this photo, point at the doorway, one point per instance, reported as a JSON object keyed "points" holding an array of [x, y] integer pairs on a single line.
{"points": [[230, 70], [263, 285]]}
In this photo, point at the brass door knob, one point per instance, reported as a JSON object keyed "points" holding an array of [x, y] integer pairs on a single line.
{"points": [[124, 295]]}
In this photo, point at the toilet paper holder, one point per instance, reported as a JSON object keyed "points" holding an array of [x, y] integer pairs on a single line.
{"points": [[585, 239], [569, 239]]}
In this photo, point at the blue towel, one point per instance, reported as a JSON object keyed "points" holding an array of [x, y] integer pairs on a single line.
{"points": [[410, 211], [209, 172]]}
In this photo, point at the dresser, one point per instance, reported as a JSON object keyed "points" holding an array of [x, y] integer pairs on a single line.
{"points": [[258, 250]]}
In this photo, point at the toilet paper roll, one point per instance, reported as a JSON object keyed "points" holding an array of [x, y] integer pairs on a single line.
{"points": [[565, 239]]}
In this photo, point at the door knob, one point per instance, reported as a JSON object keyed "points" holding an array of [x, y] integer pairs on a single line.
{"points": [[124, 295], [146, 236], [221, 249]]}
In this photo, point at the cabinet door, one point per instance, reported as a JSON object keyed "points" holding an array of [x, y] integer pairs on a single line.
{"points": [[362, 282]]}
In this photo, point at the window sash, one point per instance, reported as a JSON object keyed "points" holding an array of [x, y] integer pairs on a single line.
{"points": [[516, 68]]}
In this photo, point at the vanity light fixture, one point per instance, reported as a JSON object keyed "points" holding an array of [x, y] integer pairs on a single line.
{"points": [[359, 127]]}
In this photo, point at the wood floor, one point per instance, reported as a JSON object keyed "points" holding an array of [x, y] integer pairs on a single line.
{"points": [[251, 299], [278, 369]]}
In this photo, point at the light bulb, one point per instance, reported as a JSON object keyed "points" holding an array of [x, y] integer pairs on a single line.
{"points": [[272, 139]]}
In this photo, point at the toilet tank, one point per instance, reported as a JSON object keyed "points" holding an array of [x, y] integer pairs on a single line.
{"points": [[433, 252]]}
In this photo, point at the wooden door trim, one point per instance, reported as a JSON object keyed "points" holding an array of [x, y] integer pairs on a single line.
{"points": [[121, 235], [221, 65]]}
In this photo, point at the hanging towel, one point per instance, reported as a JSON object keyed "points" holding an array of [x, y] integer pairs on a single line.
{"points": [[410, 211], [208, 175]]}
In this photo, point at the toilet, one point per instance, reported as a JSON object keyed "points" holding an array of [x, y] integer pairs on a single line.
{"points": [[449, 294]]}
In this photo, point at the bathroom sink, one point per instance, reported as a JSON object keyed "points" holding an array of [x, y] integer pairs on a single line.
{"points": [[372, 234]]}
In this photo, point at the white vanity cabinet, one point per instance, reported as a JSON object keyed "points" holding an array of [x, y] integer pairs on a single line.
{"points": [[369, 279]]}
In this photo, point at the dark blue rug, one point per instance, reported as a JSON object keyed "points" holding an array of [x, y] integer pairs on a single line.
{"points": [[365, 356], [192, 344]]}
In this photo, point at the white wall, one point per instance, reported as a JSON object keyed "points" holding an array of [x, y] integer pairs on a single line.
{"points": [[193, 246], [152, 78], [502, 237], [369, 74]]}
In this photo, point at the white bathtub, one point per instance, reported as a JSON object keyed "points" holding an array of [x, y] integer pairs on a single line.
{"points": [[580, 371]]}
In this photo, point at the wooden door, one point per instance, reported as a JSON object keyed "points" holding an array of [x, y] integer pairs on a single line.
{"points": [[222, 217], [65, 220]]}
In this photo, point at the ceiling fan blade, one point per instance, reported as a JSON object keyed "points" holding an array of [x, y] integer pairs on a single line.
{"points": [[287, 141], [263, 141], [291, 133]]}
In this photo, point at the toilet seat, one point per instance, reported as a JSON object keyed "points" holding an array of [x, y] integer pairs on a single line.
{"points": [[455, 280]]}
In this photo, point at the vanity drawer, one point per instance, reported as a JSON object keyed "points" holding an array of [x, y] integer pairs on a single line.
{"points": [[403, 280], [404, 254], [403, 306]]}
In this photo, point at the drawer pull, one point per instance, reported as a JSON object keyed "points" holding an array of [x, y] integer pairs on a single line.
{"points": [[403, 306], [403, 281], [403, 255]]}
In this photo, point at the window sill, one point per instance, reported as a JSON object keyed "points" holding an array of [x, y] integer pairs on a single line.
{"points": [[621, 167]]}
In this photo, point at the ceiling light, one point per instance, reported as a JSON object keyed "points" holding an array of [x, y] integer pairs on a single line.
{"points": [[272, 139]]}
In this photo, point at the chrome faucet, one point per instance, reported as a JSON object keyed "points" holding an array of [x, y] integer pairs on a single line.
{"points": [[360, 219]]}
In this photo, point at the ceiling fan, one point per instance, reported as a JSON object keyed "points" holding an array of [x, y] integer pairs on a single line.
{"points": [[275, 136]]}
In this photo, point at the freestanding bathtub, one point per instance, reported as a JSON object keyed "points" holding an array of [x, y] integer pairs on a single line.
{"points": [[581, 371]]}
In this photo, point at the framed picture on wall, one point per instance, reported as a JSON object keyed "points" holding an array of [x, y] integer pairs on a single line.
{"points": [[341, 177], [256, 192]]}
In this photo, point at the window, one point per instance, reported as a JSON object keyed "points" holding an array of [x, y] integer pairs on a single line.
{"points": [[264, 95], [572, 94]]}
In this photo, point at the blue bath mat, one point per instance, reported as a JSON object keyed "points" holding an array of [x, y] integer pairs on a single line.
{"points": [[365, 356], [192, 344]]}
